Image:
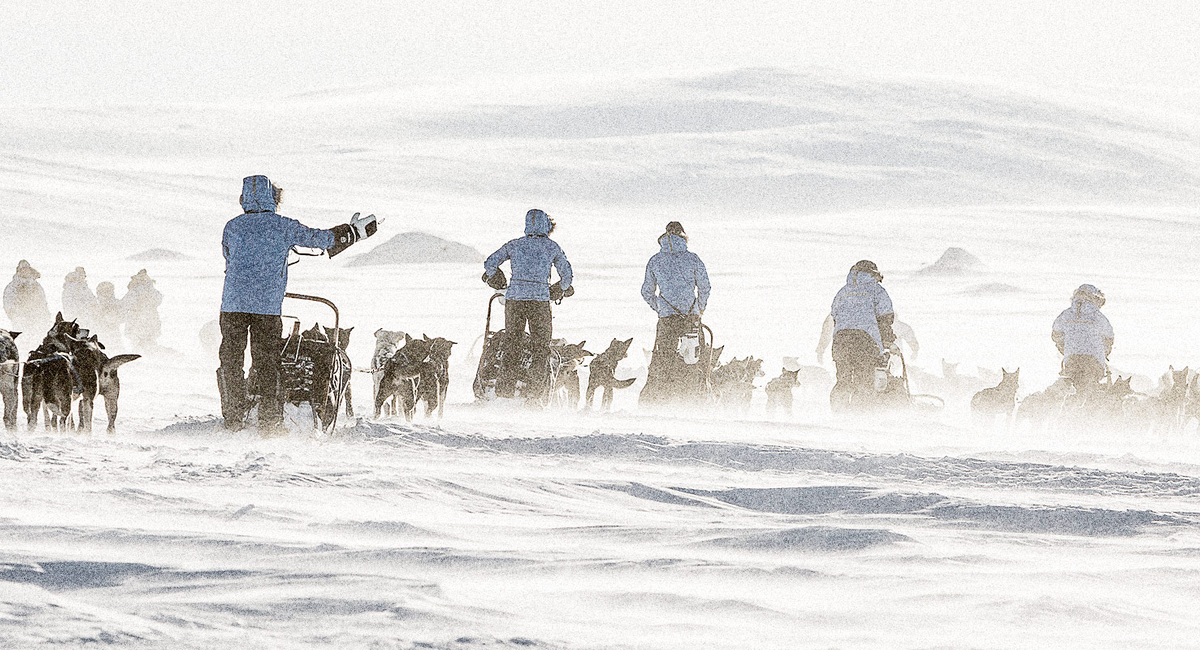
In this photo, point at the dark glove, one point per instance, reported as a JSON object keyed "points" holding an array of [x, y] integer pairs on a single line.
{"points": [[496, 281], [346, 234], [557, 294]]}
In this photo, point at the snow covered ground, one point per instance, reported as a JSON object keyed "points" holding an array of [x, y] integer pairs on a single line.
{"points": [[503, 528]]}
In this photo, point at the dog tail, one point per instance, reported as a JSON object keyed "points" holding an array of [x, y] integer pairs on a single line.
{"points": [[120, 360], [624, 383]]}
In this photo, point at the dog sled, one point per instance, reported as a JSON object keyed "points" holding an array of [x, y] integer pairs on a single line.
{"points": [[492, 355], [314, 370], [894, 391], [684, 375]]}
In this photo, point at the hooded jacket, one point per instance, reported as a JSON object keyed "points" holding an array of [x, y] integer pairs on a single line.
{"points": [[78, 301], [1082, 329], [676, 281], [256, 246], [24, 299], [861, 305], [531, 257]]}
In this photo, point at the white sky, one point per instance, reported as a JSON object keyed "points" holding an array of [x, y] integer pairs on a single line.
{"points": [[217, 50]]}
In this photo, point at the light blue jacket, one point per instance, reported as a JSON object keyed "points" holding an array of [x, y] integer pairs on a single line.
{"points": [[256, 246], [1082, 329], [531, 257], [859, 304], [676, 280]]}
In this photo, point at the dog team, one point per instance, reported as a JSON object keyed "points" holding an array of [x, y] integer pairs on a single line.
{"points": [[861, 330]]}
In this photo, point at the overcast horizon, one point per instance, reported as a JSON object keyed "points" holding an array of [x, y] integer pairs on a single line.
{"points": [[105, 52]]}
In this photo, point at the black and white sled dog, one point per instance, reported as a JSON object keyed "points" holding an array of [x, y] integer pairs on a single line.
{"points": [[387, 342], [418, 371], [602, 374], [71, 364]]}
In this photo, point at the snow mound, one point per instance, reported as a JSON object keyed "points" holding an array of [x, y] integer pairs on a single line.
{"points": [[955, 261], [418, 247], [991, 289], [158, 255]]}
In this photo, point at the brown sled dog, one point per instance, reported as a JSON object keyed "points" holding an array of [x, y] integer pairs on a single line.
{"points": [[998, 400], [602, 371], [779, 391]]}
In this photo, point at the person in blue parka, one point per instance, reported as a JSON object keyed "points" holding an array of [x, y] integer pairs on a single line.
{"points": [[677, 289], [256, 246], [527, 301], [862, 329]]}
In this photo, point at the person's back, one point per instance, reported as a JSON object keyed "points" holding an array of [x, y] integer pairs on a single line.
{"points": [[78, 301], [25, 301], [677, 288], [256, 246], [140, 306], [530, 260], [527, 303], [1084, 337], [679, 276], [862, 329]]}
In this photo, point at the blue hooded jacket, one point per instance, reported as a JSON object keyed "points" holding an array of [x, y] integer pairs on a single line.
{"points": [[676, 280], [531, 257], [256, 246], [859, 304]]}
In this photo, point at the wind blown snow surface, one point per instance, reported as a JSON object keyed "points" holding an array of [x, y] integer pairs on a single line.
{"points": [[499, 527]]}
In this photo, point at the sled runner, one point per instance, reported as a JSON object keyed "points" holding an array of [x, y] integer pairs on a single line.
{"points": [[315, 370]]}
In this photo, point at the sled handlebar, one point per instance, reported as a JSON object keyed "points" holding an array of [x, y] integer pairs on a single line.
{"points": [[487, 328], [337, 331]]}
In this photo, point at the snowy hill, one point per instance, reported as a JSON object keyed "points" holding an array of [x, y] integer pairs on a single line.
{"points": [[418, 247]]}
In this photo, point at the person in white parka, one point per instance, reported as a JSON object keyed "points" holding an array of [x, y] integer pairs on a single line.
{"points": [[1084, 337]]}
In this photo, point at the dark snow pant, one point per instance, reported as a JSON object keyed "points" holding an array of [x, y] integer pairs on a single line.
{"points": [[856, 355], [1085, 373], [518, 314], [668, 377], [265, 334]]}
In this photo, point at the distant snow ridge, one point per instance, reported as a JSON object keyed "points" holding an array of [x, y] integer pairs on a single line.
{"points": [[418, 247], [158, 255], [955, 261]]}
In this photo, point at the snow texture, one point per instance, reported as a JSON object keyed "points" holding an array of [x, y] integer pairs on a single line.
{"points": [[503, 528]]}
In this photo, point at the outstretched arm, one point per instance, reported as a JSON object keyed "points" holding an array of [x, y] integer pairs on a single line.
{"points": [[298, 234]]}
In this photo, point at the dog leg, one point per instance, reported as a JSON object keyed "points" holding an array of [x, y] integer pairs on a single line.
{"points": [[607, 399], [443, 388], [573, 391], [591, 393], [86, 405], [10, 403], [349, 402]]}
